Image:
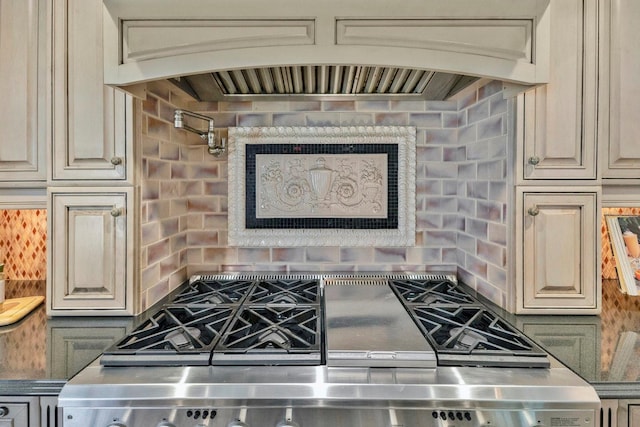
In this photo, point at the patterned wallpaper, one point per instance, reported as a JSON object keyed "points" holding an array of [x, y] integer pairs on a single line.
{"points": [[23, 243], [461, 223]]}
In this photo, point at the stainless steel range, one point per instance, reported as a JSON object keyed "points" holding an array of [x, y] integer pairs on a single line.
{"points": [[317, 350]]}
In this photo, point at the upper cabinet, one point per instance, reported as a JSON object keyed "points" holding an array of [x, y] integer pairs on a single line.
{"points": [[23, 89], [620, 89], [557, 122], [91, 122]]}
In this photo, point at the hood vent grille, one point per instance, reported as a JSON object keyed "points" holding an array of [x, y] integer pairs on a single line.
{"points": [[323, 81]]}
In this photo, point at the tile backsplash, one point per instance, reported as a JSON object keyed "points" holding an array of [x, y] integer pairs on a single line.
{"points": [[23, 243], [461, 190]]}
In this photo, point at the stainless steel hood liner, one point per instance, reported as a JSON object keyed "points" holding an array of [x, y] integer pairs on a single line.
{"points": [[322, 80]]}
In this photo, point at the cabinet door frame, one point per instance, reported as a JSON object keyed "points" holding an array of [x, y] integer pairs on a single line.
{"points": [[79, 151], [584, 296], [613, 109], [562, 157], [19, 404], [32, 167], [116, 297]]}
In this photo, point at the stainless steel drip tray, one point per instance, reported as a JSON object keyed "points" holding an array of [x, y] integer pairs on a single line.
{"points": [[367, 326]]}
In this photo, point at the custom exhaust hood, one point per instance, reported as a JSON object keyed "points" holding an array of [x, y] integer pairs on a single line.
{"points": [[334, 49]]}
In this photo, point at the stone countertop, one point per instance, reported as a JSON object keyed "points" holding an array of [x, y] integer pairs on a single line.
{"points": [[39, 354]]}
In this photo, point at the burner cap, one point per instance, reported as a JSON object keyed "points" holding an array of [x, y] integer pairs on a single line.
{"points": [[181, 338], [275, 338], [467, 339]]}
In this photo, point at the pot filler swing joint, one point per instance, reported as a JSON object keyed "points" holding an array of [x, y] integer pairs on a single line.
{"points": [[208, 135]]}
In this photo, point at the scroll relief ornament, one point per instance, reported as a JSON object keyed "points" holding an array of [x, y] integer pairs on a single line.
{"points": [[322, 186]]}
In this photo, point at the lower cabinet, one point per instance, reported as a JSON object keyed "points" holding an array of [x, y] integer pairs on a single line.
{"points": [[50, 415], [628, 413], [19, 411], [556, 249], [90, 257], [575, 340], [72, 345]]}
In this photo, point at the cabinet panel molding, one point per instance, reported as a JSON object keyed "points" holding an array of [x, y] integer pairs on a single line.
{"points": [[91, 122], [557, 267], [90, 246], [557, 122], [23, 89], [620, 89]]}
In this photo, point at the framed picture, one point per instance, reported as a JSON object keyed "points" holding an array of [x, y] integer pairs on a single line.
{"points": [[322, 186], [623, 232]]}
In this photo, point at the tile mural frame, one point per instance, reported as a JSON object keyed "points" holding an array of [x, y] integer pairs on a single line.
{"points": [[309, 144]]}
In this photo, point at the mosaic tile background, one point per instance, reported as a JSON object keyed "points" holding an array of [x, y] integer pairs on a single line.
{"points": [[461, 223], [620, 328], [23, 243], [608, 261]]}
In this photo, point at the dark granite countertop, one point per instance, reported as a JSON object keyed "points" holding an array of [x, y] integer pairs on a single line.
{"points": [[39, 354]]}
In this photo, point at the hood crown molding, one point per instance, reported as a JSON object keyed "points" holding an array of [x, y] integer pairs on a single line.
{"points": [[455, 42]]}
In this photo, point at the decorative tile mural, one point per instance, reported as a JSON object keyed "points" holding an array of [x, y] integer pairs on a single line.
{"points": [[23, 243], [322, 186]]}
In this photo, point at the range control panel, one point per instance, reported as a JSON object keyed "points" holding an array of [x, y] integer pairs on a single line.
{"points": [[320, 417]]}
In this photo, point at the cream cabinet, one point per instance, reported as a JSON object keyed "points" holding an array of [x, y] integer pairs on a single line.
{"points": [[620, 89], [50, 416], [19, 411], [575, 340], [90, 257], [557, 122], [557, 263], [23, 89], [72, 345], [91, 122], [628, 413], [608, 413]]}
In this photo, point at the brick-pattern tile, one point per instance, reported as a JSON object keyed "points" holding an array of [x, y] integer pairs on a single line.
{"points": [[461, 191]]}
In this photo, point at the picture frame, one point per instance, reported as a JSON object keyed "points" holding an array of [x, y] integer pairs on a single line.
{"points": [[321, 186], [623, 233]]}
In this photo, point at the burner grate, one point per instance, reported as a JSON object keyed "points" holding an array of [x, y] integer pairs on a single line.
{"points": [[213, 292], [273, 327], [286, 292], [469, 329], [175, 335], [431, 292], [462, 330]]}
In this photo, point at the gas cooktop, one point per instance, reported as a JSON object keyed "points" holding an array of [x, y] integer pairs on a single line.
{"points": [[316, 320]]}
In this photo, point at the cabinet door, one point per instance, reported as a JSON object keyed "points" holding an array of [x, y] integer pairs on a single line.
{"points": [[628, 413], [22, 80], [73, 348], [557, 121], [634, 414], [91, 121], [620, 96], [90, 261], [558, 269], [19, 411]]}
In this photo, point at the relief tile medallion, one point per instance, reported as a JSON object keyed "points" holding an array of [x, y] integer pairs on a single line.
{"points": [[322, 186]]}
